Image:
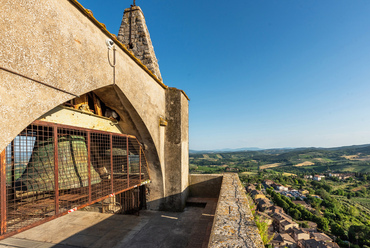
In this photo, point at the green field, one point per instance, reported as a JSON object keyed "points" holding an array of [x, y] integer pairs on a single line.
{"points": [[296, 161]]}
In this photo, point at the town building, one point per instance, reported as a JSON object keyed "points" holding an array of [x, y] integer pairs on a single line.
{"points": [[312, 227], [257, 194], [318, 177], [287, 232], [320, 237], [312, 243], [265, 217], [342, 176], [299, 234], [304, 191], [263, 204], [250, 187], [280, 187], [287, 224], [283, 240], [268, 183], [275, 209], [283, 222], [332, 245]]}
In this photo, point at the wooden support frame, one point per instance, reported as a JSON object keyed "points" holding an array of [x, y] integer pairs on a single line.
{"points": [[97, 105]]}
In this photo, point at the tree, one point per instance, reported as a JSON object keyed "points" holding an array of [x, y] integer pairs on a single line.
{"points": [[281, 203], [353, 211], [337, 230], [307, 215], [304, 224], [327, 187], [360, 233], [339, 192], [295, 213], [311, 191], [323, 193], [330, 204], [322, 223], [315, 202], [339, 216]]}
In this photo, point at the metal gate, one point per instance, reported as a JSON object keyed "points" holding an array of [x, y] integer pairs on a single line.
{"points": [[132, 201], [91, 166]]}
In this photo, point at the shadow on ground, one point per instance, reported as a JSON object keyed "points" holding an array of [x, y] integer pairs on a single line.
{"points": [[190, 228]]}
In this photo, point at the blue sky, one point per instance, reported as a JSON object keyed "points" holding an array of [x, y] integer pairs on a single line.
{"points": [[265, 73]]}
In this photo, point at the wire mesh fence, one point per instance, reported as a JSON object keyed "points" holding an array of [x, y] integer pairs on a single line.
{"points": [[91, 166]]}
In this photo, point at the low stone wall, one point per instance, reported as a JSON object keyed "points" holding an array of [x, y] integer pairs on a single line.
{"points": [[205, 185], [234, 225]]}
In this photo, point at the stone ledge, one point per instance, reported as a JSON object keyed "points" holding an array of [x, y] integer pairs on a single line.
{"points": [[234, 225]]}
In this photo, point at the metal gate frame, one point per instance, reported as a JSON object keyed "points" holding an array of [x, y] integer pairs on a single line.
{"points": [[143, 179]]}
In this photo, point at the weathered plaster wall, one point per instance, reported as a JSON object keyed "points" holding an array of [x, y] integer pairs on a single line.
{"points": [[233, 224], [176, 144], [184, 125], [51, 41]]}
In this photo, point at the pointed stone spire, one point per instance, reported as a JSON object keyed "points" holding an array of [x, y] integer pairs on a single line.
{"points": [[135, 35]]}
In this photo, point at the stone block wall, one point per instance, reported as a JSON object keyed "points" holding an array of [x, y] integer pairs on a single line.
{"points": [[141, 44], [234, 224]]}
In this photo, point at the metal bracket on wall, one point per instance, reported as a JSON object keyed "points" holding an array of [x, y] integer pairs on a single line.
{"points": [[162, 122]]}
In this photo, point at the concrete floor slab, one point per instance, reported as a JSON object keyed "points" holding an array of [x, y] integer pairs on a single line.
{"points": [[91, 229]]}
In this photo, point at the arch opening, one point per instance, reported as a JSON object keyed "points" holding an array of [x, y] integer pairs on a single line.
{"points": [[91, 166], [97, 160]]}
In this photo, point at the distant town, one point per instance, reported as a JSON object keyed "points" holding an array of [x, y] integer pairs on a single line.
{"points": [[295, 216], [286, 232]]}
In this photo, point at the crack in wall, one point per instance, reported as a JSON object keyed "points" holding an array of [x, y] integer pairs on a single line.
{"points": [[234, 225]]}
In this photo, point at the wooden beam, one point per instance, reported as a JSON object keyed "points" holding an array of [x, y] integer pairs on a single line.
{"points": [[79, 101], [97, 105]]}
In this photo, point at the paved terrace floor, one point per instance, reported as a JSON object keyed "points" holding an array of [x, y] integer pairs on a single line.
{"points": [[190, 228]]}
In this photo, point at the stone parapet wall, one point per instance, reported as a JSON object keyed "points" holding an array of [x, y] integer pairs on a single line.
{"points": [[234, 225], [205, 185]]}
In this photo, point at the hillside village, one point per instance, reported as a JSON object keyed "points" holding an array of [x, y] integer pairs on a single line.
{"points": [[283, 229]]}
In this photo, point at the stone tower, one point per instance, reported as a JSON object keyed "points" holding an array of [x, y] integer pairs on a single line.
{"points": [[135, 35]]}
